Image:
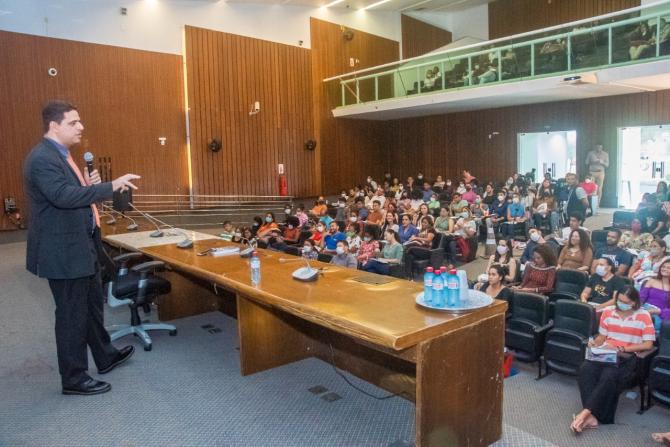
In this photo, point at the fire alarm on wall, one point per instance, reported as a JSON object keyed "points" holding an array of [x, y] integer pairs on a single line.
{"points": [[124, 11]]}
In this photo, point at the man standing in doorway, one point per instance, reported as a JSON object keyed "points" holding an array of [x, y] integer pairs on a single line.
{"points": [[598, 160], [63, 244]]}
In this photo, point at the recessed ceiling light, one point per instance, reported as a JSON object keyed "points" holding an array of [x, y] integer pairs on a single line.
{"points": [[374, 5], [333, 3]]}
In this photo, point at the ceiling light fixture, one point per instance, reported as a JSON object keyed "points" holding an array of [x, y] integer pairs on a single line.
{"points": [[333, 3], [374, 5]]}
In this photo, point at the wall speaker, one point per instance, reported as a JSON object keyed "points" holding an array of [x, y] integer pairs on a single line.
{"points": [[310, 145], [214, 145]]}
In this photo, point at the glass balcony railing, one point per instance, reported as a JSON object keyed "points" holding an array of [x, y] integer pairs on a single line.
{"points": [[629, 37]]}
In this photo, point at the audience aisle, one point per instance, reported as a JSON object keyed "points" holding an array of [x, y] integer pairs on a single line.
{"points": [[188, 391]]}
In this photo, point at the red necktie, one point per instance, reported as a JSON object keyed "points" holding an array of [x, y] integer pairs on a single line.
{"points": [[76, 170]]}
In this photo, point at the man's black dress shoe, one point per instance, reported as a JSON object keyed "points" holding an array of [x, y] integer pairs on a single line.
{"points": [[124, 354], [88, 387]]}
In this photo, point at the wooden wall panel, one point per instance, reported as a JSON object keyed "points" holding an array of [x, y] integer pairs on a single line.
{"points": [[446, 144], [127, 100], [508, 17], [420, 37], [226, 74], [348, 150]]}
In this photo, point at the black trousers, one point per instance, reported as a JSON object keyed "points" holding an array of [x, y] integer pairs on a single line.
{"points": [[411, 254], [80, 323], [601, 383]]}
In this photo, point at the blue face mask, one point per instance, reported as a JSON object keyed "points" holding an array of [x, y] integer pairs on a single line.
{"points": [[623, 306], [268, 219]]}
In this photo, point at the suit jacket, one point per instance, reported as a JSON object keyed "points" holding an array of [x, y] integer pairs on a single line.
{"points": [[60, 245]]}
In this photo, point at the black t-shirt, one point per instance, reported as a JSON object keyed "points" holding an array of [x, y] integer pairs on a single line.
{"points": [[601, 290], [616, 254], [650, 217], [504, 294]]}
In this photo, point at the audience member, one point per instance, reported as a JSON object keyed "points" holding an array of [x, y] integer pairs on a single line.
{"points": [[574, 223], [427, 191], [469, 195], [319, 208], [418, 247], [228, 231], [333, 237], [603, 285], [342, 256], [647, 266], [627, 329], [390, 223], [622, 259], [577, 200], [258, 222], [504, 258], [301, 215], [361, 209], [457, 204], [407, 230], [309, 250], [423, 214], [651, 215], [341, 214], [577, 254], [635, 239], [494, 285], [391, 254], [439, 183], [641, 41], [516, 214], [369, 247], [442, 223], [655, 295], [434, 204], [376, 217], [353, 236], [268, 229], [539, 276]]}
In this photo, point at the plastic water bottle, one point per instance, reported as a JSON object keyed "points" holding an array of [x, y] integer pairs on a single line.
{"points": [[438, 290], [453, 289], [255, 264], [463, 280], [428, 286]]}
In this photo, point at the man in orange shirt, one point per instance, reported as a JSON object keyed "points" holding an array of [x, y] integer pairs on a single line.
{"points": [[376, 217]]}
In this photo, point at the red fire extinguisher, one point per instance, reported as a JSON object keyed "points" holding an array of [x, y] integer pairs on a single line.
{"points": [[283, 185]]}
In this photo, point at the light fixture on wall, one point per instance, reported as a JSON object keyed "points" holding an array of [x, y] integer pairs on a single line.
{"points": [[493, 134]]}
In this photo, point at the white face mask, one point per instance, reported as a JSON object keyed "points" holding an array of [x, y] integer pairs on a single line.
{"points": [[339, 250], [502, 249], [306, 249], [501, 198], [287, 211], [342, 205], [464, 215], [290, 227], [600, 270], [655, 251], [344, 196], [319, 228], [534, 237], [238, 234], [352, 218], [515, 200], [367, 238]]}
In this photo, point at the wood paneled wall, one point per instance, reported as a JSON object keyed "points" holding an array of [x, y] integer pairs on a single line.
{"points": [[446, 144], [226, 74], [127, 99], [420, 37], [348, 150], [508, 17]]}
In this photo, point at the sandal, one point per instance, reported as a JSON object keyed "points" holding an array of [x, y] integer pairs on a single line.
{"points": [[661, 438]]}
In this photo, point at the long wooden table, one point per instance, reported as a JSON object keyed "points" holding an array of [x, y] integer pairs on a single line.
{"points": [[450, 365]]}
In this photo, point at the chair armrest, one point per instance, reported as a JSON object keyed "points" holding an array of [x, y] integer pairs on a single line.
{"points": [[148, 266], [543, 329], [648, 354], [555, 296], [570, 334], [127, 256]]}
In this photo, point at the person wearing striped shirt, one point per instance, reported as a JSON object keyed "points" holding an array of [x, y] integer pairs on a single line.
{"points": [[626, 328]]}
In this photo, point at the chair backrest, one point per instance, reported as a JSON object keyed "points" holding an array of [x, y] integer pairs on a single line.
{"points": [[623, 219], [107, 265], [437, 241], [570, 281], [373, 229], [664, 339], [575, 316], [599, 238], [530, 306], [324, 257]]}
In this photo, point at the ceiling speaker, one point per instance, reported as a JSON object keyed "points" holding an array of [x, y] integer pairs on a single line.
{"points": [[214, 145], [310, 145]]}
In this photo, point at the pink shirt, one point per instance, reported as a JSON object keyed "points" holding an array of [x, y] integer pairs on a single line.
{"points": [[470, 196]]}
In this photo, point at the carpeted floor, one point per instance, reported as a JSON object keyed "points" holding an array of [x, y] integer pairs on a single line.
{"points": [[188, 392]]}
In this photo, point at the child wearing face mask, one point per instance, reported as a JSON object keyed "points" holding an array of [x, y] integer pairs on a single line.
{"points": [[309, 250], [353, 237], [647, 266], [342, 256], [318, 234], [369, 248]]}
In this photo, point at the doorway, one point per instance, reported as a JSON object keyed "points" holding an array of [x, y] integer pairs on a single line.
{"points": [[554, 152], [644, 154]]}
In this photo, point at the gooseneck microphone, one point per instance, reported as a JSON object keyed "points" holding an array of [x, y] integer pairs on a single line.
{"points": [[187, 242], [88, 158]]}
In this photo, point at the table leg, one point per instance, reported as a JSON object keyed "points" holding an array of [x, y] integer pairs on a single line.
{"points": [[460, 386]]}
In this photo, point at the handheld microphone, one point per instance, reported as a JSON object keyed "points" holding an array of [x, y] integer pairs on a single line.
{"points": [[88, 158]]}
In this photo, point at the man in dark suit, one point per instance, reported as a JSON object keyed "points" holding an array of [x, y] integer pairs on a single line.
{"points": [[63, 240]]}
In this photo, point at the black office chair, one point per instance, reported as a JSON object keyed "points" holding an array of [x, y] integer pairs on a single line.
{"points": [[569, 285], [436, 259], [324, 257], [136, 287], [622, 219], [565, 343], [527, 326], [659, 373], [598, 239]]}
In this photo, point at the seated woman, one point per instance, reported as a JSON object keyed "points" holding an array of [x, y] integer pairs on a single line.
{"points": [[434, 204], [516, 214], [390, 223], [443, 221], [424, 213], [503, 258], [418, 247], [640, 43], [369, 247], [655, 295], [634, 238], [603, 285], [406, 230], [309, 250], [391, 254], [647, 266], [626, 328], [577, 253], [458, 222], [269, 229], [545, 206], [289, 235], [540, 273], [494, 285], [258, 223], [238, 233]]}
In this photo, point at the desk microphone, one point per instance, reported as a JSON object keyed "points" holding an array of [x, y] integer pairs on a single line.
{"points": [[187, 242], [252, 246], [112, 220], [304, 274]]}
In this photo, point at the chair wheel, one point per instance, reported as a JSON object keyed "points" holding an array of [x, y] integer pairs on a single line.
{"points": [[173, 332], [148, 347]]}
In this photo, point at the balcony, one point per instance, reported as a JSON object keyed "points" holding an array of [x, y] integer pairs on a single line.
{"points": [[623, 52]]}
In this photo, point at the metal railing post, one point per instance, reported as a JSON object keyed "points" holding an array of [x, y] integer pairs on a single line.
{"points": [[358, 93], [609, 45], [569, 52], [469, 70], [418, 80], [376, 88], [344, 101], [532, 59]]}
